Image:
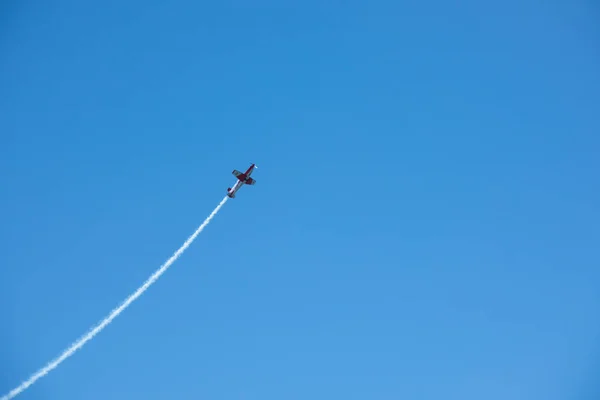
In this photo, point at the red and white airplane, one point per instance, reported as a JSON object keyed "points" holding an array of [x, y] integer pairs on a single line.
{"points": [[243, 177]]}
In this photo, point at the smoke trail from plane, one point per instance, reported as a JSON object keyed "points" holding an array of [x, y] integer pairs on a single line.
{"points": [[114, 314]]}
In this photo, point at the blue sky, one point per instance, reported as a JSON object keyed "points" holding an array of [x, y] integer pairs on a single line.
{"points": [[424, 223]]}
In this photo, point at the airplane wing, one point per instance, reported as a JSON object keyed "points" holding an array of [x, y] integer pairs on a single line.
{"points": [[250, 181], [236, 173]]}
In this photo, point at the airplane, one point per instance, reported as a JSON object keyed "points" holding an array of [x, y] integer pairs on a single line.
{"points": [[243, 177]]}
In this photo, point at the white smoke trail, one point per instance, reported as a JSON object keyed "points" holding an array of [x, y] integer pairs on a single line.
{"points": [[115, 313]]}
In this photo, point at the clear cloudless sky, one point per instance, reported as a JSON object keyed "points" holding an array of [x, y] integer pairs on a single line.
{"points": [[425, 222]]}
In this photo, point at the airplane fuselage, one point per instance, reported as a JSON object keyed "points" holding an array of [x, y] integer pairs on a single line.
{"points": [[235, 188]]}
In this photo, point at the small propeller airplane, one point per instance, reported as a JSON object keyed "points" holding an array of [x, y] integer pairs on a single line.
{"points": [[243, 178]]}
